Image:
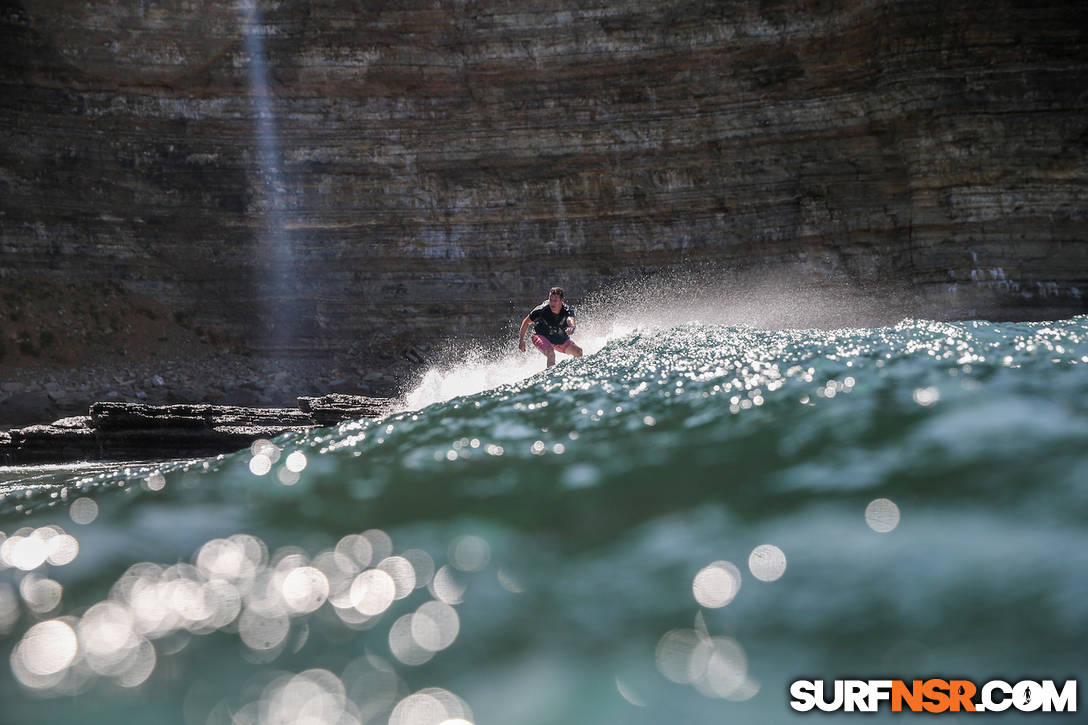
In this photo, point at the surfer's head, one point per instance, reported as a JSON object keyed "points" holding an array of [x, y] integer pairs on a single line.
{"points": [[555, 298]]}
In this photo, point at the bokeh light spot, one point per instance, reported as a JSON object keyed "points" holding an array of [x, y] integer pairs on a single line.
{"points": [[296, 462], [42, 595], [373, 591], [63, 549], [48, 647], [401, 572], [767, 562], [716, 584], [263, 630], [674, 653], [926, 397], [448, 585], [83, 510], [470, 553], [259, 465], [435, 626], [305, 589], [882, 515], [403, 644]]}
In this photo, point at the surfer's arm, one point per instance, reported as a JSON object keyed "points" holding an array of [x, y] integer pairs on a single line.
{"points": [[521, 335]]}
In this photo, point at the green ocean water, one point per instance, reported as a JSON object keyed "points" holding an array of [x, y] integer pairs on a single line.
{"points": [[670, 529]]}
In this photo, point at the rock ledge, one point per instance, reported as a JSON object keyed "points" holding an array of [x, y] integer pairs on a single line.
{"points": [[137, 431]]}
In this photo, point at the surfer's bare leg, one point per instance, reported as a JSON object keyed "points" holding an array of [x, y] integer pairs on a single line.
{"points": [[545, 347], [573, 350]]}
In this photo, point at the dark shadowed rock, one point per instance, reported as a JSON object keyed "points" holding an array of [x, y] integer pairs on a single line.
{"points": [[27, 407], [336, 407], [128, 416], [138, 431]]}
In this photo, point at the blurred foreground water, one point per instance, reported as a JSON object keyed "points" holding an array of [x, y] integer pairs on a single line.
{"points": [[670, 529]]}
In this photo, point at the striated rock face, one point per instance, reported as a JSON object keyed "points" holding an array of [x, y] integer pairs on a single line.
{"points": [[336, 407], [415, 170]]}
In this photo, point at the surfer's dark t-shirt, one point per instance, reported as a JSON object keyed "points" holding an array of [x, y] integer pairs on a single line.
{"points": [[550, 324]]}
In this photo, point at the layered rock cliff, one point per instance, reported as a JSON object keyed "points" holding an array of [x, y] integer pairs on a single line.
{"points": [[305, 176]]}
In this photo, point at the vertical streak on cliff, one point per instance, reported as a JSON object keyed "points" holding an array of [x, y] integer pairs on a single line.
{"points": [[274, 259]]}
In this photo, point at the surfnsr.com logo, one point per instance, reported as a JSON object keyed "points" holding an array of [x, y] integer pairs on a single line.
{"points": [[933, 696]]}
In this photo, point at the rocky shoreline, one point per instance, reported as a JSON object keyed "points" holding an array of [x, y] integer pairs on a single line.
{"points": [[143, 432], [43, 392]]}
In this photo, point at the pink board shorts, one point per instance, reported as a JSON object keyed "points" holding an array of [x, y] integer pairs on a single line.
{"points": [[544, 344]]}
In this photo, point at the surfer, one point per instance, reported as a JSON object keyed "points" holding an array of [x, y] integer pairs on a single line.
{"points": [[554, 325]]}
